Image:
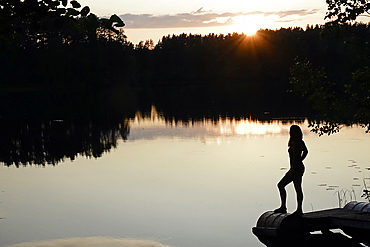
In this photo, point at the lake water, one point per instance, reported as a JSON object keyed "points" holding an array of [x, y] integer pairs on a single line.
{"points": [[186, 184]]}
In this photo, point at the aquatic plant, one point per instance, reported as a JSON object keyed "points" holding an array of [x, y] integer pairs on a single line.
{"points": [[345, 196], [366, 192]]}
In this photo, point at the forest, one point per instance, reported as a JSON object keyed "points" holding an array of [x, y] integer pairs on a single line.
{"points": [[184, 73], [67, 62]]}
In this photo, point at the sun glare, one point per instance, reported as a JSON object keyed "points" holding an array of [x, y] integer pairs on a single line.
{"points": [[248, 25]]}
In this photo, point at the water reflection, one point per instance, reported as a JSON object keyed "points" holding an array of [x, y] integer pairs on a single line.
{"points": [[163, 181], [93, 241], [206, 127], [248, 127], [42, 142]]}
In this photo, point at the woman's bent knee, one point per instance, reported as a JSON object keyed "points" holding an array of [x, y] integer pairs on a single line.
{"points": [[281, 185]]}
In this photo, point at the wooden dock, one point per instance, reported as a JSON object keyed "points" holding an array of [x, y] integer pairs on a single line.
{"points": [[275, 229]]}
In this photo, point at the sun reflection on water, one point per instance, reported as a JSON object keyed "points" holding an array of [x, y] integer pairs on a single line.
{"points": [[154, 119], [248, 127], [220, 127]]}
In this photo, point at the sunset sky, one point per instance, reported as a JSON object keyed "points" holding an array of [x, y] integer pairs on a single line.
{"points": [[153, 19]]}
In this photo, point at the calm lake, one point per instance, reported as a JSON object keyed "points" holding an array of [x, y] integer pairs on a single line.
{"points": [[185, 184]]}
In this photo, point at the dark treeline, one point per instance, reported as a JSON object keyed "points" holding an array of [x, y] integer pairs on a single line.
{"points": [[246, 75], [183, 75], [65, 79], [41, 142]]}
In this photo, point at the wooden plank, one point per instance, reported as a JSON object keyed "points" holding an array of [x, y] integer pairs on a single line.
{"points": [[279, 229], [337, 218]]}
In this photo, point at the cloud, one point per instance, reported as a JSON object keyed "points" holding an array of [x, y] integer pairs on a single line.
{"points": [[205, 18], [193, 19], [92, 241], [302, 12]]}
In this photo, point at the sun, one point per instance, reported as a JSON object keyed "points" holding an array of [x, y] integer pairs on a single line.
{"points": [[248, 24]]}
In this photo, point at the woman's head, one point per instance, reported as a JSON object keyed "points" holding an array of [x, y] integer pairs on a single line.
{"points": [[295, 133]]}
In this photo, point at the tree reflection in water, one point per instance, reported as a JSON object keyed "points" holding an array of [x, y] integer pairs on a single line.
{"points": [[42, 142]]}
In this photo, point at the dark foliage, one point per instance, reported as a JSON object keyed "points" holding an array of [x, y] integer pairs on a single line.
{"points": [[340, 12], [189, 75], [235, 74], [60, 59], [42, 142], [339, 88]]}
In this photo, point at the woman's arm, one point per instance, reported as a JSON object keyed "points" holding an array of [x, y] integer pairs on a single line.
{"points": [[304, 151], [299, 153]]}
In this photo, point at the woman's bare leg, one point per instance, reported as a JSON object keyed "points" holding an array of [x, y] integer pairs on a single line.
{"points": [[281, 186], [298, 188]]}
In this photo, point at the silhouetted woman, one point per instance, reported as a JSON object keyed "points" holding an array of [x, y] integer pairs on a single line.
{"points": [[297, 153]]}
